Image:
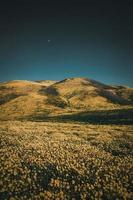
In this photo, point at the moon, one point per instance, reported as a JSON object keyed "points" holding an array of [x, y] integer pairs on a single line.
{"points": [[49, 40]]}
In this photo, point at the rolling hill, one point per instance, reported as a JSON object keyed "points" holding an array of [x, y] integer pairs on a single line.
{"points": [[70, 139], [23, 99]]}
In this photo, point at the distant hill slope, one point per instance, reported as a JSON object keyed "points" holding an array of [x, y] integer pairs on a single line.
{"points": [[46, 82], [86, 93], [21, 98]]}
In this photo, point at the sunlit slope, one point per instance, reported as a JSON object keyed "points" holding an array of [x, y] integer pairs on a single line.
{"points": [[21, 98], [86, 93], [46, 82]]}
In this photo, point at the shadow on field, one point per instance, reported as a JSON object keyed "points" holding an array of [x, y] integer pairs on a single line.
{"points": [[44, 176], [117, 116]]}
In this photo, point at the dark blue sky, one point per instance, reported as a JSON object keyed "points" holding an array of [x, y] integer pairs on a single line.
{"points": [[91, 39]]}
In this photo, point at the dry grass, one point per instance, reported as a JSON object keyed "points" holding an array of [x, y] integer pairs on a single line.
{"points": [[25, 98], [72, 160], [45, 160]]}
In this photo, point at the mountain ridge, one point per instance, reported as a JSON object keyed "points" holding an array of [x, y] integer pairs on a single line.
{"points": [[46, 97]]}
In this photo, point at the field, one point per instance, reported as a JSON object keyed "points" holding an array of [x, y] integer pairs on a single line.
{"points": [[75, 160]]}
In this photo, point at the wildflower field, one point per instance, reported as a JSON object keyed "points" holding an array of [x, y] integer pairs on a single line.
{"points": [[60, 161]]}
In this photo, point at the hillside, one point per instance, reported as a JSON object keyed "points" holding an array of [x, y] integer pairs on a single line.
{"points": [[85, 93], [21, 98], [63, 140]]}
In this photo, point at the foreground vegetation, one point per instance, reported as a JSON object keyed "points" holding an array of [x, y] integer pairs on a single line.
{"points": [[52, 160]]}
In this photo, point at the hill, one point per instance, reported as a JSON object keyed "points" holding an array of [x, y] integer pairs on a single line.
{"points": [[70, 139], [23, 99], [86, 93]]}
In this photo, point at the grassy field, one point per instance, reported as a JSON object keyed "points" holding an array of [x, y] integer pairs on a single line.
{"points": [[54, 160]]}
